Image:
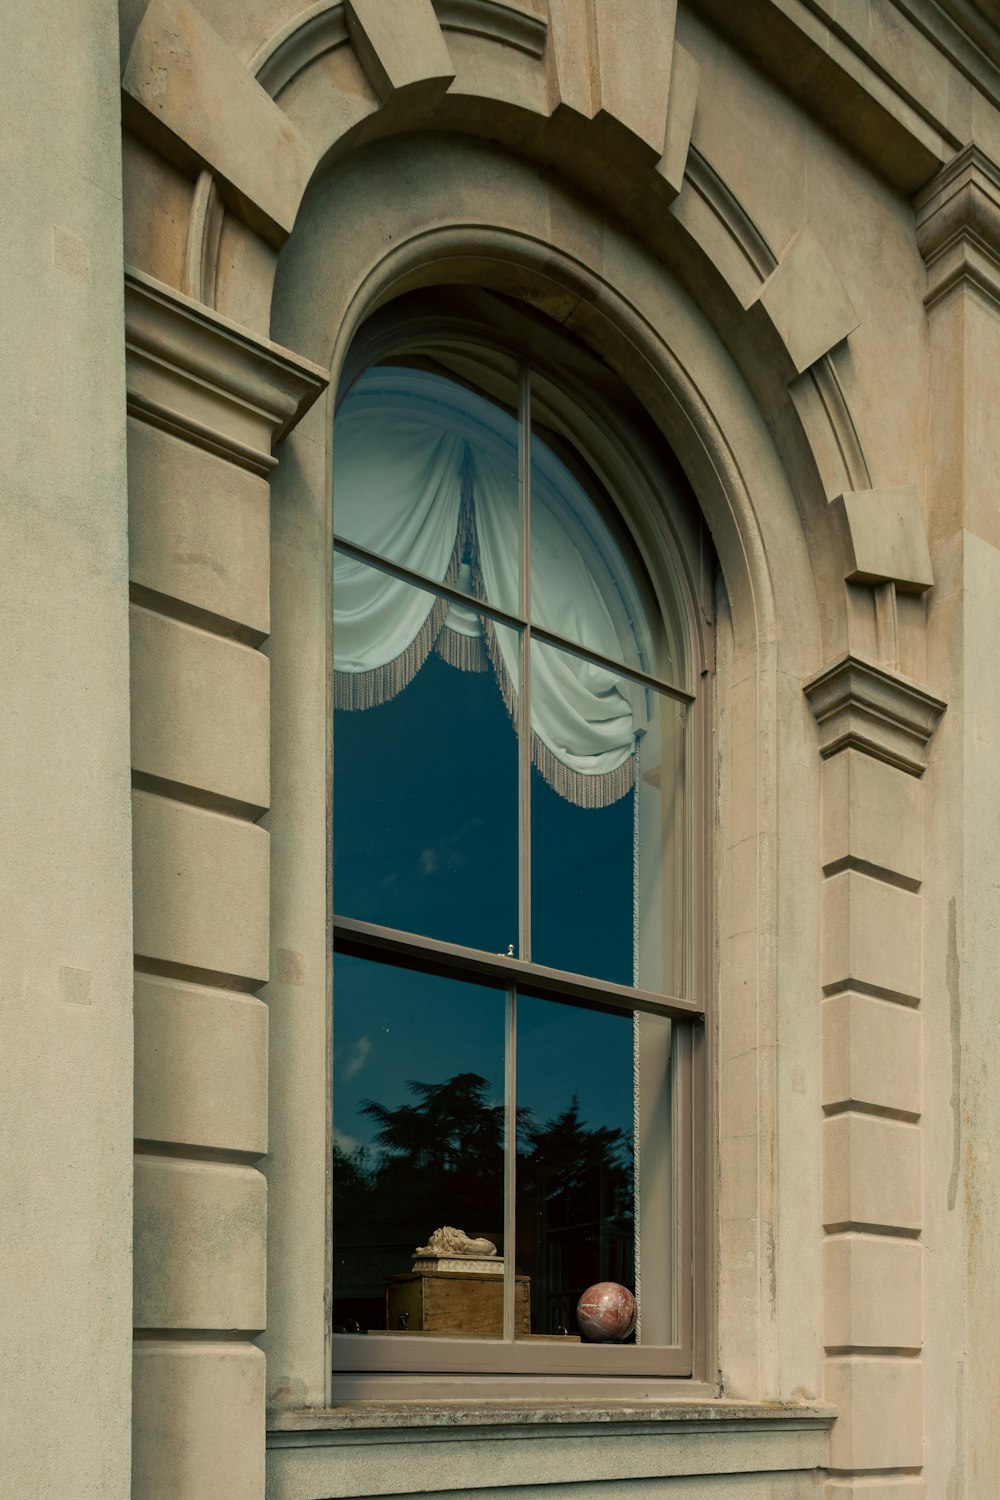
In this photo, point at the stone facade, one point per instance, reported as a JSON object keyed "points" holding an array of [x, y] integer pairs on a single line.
{"points": [[779, 223]]}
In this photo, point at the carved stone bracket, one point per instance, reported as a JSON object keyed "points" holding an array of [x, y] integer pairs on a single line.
{"points": [[196, 374], [958, 226], [863, 707]]}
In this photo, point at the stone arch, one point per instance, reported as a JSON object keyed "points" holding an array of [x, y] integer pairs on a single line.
{"points": [[255, 119], [485, 217]]}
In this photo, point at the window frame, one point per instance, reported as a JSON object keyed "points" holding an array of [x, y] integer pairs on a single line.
{"points": [[363, 1366]]}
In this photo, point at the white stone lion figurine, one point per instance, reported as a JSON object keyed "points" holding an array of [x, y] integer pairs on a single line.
{"points": [[449, 1241]]}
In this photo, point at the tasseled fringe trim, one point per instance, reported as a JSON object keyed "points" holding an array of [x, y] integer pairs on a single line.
{"points": [[361, 690], [466, 652], [602, 790]]}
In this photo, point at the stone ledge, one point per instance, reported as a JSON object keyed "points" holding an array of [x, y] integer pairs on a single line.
{"points": [[198, 375], [377, 1416], [860, 706], [464, 1448], [958, 225]]}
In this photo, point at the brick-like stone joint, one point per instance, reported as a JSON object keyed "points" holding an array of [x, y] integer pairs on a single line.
{"points": [[958, 226], [860, 706]]}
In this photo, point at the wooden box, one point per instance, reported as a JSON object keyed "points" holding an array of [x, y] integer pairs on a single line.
{"points": [[453, 1302]]}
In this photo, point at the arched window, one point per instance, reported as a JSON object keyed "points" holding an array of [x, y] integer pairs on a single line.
{"points": [[512, 875]]}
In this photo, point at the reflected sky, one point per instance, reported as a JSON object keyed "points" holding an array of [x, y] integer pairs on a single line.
{"points": [[425, 811]]}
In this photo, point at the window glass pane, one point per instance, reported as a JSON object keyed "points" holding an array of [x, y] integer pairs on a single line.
{"points": [[425, 757], [418, 1132], [574, 1215], [607, 893], [582, 585], [426, 473]]}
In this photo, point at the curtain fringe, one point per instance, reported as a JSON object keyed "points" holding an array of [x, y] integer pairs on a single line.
{"points": [[362, 690], [465, 652], [601, 790]]}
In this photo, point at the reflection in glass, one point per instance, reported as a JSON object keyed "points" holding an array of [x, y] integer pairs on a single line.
{"points": [[574, 1213], [606, 823], [426, 473], [582, 587], [418, 1132], [425, 756]]}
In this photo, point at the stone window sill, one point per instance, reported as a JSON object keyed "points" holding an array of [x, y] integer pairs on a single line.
{"points": [[412, 1448], [378, 1416]]}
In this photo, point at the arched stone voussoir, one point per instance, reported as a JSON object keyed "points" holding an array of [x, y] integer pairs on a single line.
{"points": [[806, 303], [399, 46], [485, 217], [188, 93], [615, 61]]}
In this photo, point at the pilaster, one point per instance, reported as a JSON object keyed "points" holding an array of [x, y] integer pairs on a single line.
{"points": [[874, 728], [958, 228], [206, 402]]}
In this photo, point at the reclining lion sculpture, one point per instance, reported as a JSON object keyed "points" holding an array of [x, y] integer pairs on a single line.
{"points": [[449, 1241]]}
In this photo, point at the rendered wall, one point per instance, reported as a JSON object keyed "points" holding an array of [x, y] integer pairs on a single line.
{"points": [[65, 860]]}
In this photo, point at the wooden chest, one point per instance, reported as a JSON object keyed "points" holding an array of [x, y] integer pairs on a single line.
{"points": [[446, 1302]]}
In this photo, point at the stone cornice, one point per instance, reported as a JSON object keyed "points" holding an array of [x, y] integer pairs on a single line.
{"points": [[964, 34], [194, 373], [836, 77], [859, 706], [958, 225]]}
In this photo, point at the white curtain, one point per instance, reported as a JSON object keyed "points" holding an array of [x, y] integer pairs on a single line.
{"points": [[426, 474]]}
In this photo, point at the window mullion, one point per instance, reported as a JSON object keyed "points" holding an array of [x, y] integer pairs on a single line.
{"points": [[524, 728], [510, 1165]]}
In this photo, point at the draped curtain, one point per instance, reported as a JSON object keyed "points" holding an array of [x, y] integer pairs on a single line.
{"points": [[426, 475]]}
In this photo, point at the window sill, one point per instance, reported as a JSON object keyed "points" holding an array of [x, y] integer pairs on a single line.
{"points": [[413, 1447], [377, 1416]]}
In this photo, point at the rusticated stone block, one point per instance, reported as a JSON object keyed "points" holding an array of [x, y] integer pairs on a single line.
{"points": [[871, 1172], [873, 1292], [871, 936], [880, 1399], [872, 813], [201, 889], [872, 1053], [199, 710], [200, 1066], [200, 1243], [197, 1421]]}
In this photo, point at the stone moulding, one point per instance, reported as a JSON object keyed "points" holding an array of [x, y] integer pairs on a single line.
{"points": [[860, 706], [297, 45], [958, 226], [515, 23], [199, 376]]}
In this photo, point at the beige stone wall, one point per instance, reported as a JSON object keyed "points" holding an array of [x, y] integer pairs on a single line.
{"points": [[764, 217], [65, 863]]}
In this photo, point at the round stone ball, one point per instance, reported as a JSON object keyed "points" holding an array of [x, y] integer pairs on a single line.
{"points": [[606, 1312]]}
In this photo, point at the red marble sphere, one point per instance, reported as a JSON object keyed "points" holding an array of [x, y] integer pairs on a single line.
{"points": [[606, 1312]]}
